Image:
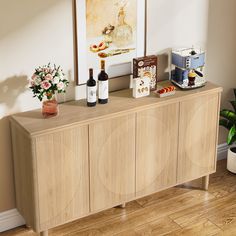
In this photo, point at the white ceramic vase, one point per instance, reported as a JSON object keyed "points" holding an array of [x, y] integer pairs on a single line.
{"points": [[231, 160]]}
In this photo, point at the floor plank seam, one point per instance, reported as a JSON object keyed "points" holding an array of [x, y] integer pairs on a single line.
{"points": [[175, 222], [215, 225], [94, 226], [139, 204], [181, 227]]}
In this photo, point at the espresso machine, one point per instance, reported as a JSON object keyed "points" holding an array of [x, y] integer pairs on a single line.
{"points": [[187, 68]]}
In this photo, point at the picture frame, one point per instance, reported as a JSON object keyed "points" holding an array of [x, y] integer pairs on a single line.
{"points": [[117, 65]]}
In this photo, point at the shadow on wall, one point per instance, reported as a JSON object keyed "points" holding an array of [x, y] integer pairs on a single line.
{"points": [[9, 24], [221, 46], [164, 64], [221, 49], [70, 90], [11, 89]]}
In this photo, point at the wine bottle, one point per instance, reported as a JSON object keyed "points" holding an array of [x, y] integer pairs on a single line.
{"points": [[103, 85], [91, 90]]}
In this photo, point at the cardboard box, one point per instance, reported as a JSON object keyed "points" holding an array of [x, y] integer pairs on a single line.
{"points": [[141, 87], [146, 67]]}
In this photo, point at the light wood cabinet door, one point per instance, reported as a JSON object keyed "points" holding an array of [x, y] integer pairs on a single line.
{"points": [[112, 161], [197, 137], [63, 176], [157, 135]]}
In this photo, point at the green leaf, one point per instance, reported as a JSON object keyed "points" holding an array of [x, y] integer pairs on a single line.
{"points": [[233, 103], [232, 135], [229, 115], [225, 123]]}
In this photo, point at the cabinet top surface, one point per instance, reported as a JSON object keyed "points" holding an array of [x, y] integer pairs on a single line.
{"points": [[121, 102]]}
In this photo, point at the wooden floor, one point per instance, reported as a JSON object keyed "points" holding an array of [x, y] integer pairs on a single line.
{"points": [[183, 210]]}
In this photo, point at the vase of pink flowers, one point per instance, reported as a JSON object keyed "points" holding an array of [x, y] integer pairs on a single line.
{"points": [[45, 83]]}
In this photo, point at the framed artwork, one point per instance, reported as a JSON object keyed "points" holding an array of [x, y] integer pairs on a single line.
{"points": [[110, 30]]}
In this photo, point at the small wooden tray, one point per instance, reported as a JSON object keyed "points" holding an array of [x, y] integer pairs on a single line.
{"points": [[168, 91], [162, 95]]}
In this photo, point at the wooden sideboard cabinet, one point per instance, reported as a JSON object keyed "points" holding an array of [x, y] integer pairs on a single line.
{"points": [[156, 153], [197, 137], [90, 159], [51, 176], [112, 161]]}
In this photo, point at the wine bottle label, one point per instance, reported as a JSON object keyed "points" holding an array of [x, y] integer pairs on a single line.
{"points": [[91, 94], [103, 89]]}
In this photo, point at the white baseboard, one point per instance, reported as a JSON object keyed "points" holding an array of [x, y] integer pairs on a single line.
{"points": [[222, 151], [10, 219]]}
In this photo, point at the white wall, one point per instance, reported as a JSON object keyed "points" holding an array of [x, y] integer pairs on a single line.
{"points": [[33, 32], [175, 23], [221, 50]]}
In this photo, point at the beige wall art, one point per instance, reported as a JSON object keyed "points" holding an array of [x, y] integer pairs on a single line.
{"points": [[108, 29]]}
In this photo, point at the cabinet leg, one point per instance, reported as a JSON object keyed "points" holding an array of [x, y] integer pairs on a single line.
{"points": [[205, 182], [44, 233], [123, 205]]}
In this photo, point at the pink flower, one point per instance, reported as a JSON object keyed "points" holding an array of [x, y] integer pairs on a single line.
{"points": [[32, 83], [46, 70], [34, 76], [48, 77], [45, 85], [60, 86]]}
